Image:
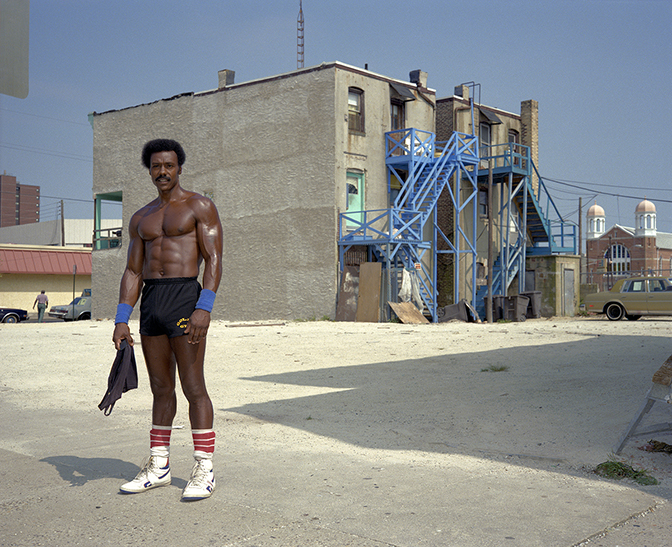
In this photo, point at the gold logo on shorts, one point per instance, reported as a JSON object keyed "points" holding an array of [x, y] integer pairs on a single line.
{"points": [[182, 323]]}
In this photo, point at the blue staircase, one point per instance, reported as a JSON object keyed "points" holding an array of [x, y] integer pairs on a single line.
{"points": [[400, 237], [397, 237], [543, 230], [549, 232]]}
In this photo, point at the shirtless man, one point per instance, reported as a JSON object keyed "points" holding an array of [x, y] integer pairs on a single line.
{"points": [[168, 239]]}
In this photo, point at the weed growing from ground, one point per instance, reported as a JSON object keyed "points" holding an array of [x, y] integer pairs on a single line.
{"points": [[495, 368], [618, 470]]}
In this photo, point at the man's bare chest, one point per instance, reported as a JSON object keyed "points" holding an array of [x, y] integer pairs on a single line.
{"points": [[166, 221]]}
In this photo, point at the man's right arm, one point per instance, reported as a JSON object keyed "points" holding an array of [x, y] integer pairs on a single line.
{"points": [[131, 280]]}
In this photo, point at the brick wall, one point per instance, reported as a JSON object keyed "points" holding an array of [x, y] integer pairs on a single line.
{"points": [[529, 114], [444, 119]]}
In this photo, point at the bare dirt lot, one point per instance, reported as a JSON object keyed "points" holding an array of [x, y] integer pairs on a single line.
{"points": [[347, 434]]}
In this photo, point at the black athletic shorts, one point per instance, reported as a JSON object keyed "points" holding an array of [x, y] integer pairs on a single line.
{"points": [[167, 305]]}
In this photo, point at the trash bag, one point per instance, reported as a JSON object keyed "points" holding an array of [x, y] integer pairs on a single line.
{"points": [[410, 289]]}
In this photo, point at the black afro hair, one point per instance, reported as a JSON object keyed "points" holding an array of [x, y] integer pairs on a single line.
{"points": [[162, 145]]}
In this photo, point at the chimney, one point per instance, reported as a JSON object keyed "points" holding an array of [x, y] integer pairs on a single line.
{"points": [[419, 78], [529, 121], [462, 91], [226, 78]]}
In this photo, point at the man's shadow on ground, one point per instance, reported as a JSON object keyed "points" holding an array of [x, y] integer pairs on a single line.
{"points": [[78, 471]]}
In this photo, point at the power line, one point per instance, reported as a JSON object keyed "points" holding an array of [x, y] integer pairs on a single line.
{"points": [[47, 152], [69, 199], [601, 192], [560, 181], [43, 196], [44, 117]]}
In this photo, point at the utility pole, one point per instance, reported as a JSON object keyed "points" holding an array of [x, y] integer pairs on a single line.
{"points": [[299, 37], [62, 226], [74, 278], [580, 241]]}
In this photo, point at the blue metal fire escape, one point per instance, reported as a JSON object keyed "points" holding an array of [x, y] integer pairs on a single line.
{"points": [[529, 222], [408, 236], [405, 235]]}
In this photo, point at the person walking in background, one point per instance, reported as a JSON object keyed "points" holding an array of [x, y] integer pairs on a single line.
{"points": [[168, 240], [42, 302]]}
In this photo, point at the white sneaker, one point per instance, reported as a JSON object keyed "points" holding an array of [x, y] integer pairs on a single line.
{"points": [[201, 485], [151, 475]]}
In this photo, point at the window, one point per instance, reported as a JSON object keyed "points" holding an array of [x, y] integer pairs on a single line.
{"points": [[656, 285], [618, 258], [483, 201], [398, 115], [355, 110], [354, 199], [596, 225], [515, 149], [107, 227], [638, 285], [484, 138]]}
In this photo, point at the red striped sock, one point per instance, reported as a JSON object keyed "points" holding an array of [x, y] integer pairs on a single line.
{"points": [[159, 440], [204, 443]]}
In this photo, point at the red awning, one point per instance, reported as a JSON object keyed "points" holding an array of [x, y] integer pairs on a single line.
{"points": [[24, 261]]}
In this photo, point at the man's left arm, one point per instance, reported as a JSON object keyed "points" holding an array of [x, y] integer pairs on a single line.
{"points": [[210, 242]]}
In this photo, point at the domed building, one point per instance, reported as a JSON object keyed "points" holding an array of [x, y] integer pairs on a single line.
{"points": [[624, 251], [596, 221]]}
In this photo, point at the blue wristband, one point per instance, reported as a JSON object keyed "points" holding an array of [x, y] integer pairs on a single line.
{"points": [[123, 313], [206, 300]]}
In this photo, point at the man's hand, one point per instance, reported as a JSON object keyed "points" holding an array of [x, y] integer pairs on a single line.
{"points": [[198, 325], [121, 332]]}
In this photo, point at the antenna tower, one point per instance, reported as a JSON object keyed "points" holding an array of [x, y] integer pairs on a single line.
{"points": [[299, 37]]}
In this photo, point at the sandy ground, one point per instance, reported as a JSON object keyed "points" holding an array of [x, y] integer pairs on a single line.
{"points": [[419, 400]]}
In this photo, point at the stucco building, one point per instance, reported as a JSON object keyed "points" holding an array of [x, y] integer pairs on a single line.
{"points": [[281, 157], [25, 270]]}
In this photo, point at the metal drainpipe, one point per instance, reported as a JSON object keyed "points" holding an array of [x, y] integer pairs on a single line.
{"points": [[491, 271]]}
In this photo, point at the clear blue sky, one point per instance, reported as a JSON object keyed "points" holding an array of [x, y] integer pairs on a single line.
{"points": [[600, 69]]}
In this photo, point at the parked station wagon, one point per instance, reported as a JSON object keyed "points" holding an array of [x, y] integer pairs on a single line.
{"points": [[633, 297]]}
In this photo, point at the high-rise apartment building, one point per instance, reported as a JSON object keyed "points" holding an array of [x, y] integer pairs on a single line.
{"points": [[19, 203]]}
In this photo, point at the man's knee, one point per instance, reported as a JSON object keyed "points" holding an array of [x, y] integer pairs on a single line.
{"points": [[195, 393], [162, 388]]}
